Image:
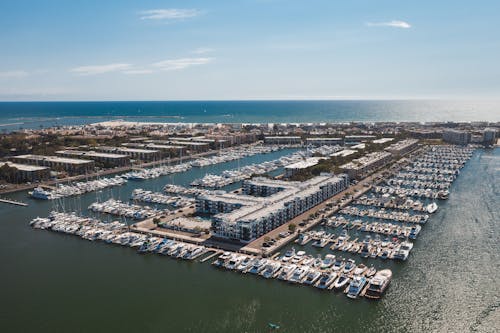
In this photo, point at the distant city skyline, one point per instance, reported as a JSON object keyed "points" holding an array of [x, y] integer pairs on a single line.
{"points": [[249, 50]]}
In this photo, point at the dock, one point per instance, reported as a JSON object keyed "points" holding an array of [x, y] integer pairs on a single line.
{"points": [[13, 202]]}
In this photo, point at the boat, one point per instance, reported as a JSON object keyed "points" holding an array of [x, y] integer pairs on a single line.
{"points": [[258, 266], [356, 286], [341, 281], [273, 326], [431, 208], [349, 266], [326, 280], [378, 284], [360, 269], [370, 272], [299, 274], [288, 255], [328, 261], [403, 251], [312, 277], [414, 231], [40, 193]]}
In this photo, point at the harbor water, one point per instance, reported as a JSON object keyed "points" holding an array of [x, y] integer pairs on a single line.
{"points": [[58, 283]]}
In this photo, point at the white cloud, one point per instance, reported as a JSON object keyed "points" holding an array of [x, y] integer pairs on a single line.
{"points": [[138, 71], [13, 74], [203, 50], [168, 14], [394, 24], [100, 69], [182, 63]]}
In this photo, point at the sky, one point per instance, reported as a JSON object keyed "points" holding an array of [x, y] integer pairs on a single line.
{"points": [[249, 49]]}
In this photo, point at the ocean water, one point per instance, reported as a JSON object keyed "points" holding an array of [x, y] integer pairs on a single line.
{"points": [[16, 115], [58, 283]]}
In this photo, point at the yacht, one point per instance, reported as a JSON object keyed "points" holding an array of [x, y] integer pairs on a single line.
{"points": [[379, 284], [286, 272], [299, 274], [40, 193], [312, 277], [356, 286], [414, 231], [328, 261], [341, 281], [326, 280], [270, 270], [244, 264], [258, 266], [288, 255], [360, 270], [349, 266], [431, 208], [403, 251]]}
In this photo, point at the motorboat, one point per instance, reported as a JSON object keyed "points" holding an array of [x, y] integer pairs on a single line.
{"points": [[356, 286], [342, 281], [312, 277], [326, 280], [378, 284], [431, 208]]}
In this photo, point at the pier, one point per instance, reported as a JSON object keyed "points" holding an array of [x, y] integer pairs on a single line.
{"points": [[13, 202]]}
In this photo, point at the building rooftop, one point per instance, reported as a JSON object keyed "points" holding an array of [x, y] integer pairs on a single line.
{"points": [[309, 162], [126, 149], [278, 200], [89, 153], [55, 159], [24, 167], [383, 140], [343, 153]]}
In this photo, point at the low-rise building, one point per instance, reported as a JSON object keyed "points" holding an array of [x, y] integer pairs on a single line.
{"points": [[292, 169], [489, 136], [402, 147], [106, 159], [134, 153], [456, 136], [283, 140], [254, 219], [360, 167], [321, 141], [72, 166], [21, 173]]}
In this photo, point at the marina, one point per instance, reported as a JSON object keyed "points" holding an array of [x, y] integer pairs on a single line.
{"points": [[390, 222]]}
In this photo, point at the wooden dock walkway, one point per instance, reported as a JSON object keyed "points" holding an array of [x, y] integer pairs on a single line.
{"points": [[13, 202]]}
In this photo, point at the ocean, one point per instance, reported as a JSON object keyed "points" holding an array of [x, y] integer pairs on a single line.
{"points": [[18, 115]]}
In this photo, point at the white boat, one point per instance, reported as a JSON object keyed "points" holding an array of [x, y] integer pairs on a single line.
{"points": [[379, 284], [431, 208]]}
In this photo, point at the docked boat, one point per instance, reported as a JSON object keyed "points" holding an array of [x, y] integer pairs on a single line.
{"points": [[356, 286], [312, 277], [414, 231], [342, 281], [403, 251], [379, 284], [326, 280], [431, 208], [299, 274], [288, 255], [349, 266], [270, 270], [328, 261], [258, 266]]}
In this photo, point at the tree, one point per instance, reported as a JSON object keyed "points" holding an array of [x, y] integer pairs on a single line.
{"points": [[156, 220], [292, 227]]}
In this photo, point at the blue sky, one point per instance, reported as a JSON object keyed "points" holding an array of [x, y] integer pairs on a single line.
{"points": [[248, 49]]}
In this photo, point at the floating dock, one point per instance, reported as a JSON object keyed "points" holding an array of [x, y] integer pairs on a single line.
{"points": [[13, 202]]}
